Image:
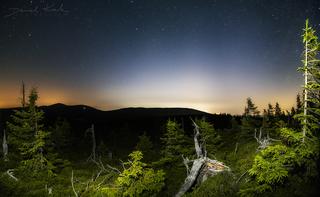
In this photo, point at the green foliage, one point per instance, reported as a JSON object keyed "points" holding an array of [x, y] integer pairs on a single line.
{"points": [[249, 124], [61, 134], [253, 189], [311, 70], [298, 151], [137, 179], [87, 183], [28, 136], [250, 109], [146, 147], [273, 165], [277, 110], [269, 166], [250, 120], [290, 137], [175, 143], [222, 184], [209, 136]]}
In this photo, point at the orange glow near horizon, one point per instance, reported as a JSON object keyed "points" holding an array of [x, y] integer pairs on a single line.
{"points": [[49, 97]]}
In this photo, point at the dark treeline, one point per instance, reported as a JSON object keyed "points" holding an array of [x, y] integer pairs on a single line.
{"points": [[120, 129]]}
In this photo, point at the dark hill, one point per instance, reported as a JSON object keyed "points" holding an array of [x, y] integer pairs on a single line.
{"points": [[120, 128]]}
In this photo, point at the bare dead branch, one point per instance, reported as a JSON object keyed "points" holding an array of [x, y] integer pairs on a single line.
{"points": [[49, 189], [186, 162], [263, 142], [241, 176], [74, 190], [103, 168], [122, 164], [9, 172], [113, 168], [236, 149]]}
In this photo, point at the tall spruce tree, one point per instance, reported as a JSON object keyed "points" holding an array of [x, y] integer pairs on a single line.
{"points": [[28, 136], [270, 111], [145, 146], [297, 154], [175, 142], [251, 109], [250, 120], [311, 71], [277, 110]]}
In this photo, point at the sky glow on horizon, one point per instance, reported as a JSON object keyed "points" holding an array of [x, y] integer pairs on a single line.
{"points": [[207, 55]]}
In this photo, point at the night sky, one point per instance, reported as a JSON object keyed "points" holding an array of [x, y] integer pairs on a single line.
{"points": [[204, 54]]}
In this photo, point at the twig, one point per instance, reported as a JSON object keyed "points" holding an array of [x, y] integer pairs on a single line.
{"points": [[241, 176], [186, 162], [122, 163], [10, 174], [263, 142], [236, 149], [74, 191]]}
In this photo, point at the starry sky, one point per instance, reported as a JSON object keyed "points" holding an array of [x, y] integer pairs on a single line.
{"points": [[204, 54]]}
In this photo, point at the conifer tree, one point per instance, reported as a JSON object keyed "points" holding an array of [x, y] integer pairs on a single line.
{"points": [[298, 104], [298, 151], [209, 137], [174, 142], [250, 109], [250, 120], [270, 111], [311, 71], [277, 110], [145, 146], [136, 179], [61, 134], [28, 136]]}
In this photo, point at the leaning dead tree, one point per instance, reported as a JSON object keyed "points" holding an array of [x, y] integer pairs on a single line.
{"points": [[202, 167]]}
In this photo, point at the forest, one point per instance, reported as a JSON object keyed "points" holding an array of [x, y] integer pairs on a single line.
{"points": [[62, 150]]}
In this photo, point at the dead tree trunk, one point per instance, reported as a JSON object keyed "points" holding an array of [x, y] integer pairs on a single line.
{"points": [[202, 167], [263, 141], [23, 92], [93, 152], [5, 146]]}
